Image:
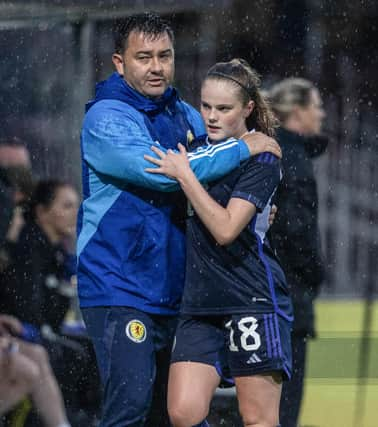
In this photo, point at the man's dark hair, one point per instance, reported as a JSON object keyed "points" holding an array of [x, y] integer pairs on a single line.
{"points": [[148, 23]]}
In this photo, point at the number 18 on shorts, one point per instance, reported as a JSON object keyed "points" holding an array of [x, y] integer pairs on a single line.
{"points": [[258, 343]]}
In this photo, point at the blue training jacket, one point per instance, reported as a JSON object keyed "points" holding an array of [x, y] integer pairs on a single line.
{"points": [[131, 241]]}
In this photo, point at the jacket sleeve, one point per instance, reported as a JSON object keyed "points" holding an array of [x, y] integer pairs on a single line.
{"points": [[115, 144], [211, 162]]}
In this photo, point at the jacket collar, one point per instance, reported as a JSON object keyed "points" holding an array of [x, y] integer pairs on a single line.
{"points": [[313, 145], [115, 87]]}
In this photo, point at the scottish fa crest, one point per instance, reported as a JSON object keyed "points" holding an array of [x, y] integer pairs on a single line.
{"points": [[136, 331]]}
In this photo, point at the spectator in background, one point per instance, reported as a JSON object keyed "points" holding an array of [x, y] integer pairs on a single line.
{"points": [[25, 370], [13, 153], [6, 208], [295, 233], [16, 185], [36, 291]]}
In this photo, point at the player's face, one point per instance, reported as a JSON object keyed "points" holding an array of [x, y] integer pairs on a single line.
{"points": [[222, 110], [311, 117], [147, 64]]}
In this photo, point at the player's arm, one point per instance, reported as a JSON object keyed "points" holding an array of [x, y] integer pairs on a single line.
{"points": [[225, 224]]}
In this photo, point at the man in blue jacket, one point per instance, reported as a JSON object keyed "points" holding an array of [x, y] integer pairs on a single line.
{"points": [[131, 242]]}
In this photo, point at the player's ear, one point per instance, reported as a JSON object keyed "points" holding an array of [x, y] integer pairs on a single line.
{"points": [[249, 108]]}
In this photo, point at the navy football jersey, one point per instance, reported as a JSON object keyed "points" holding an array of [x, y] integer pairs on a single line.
{"points": [[245, 274]]}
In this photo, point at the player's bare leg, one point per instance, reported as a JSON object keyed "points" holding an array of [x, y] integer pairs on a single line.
{"points": [[190, 389], [259, 399]]}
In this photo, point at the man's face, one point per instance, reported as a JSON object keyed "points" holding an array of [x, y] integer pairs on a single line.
{"points": [[147, 64]]}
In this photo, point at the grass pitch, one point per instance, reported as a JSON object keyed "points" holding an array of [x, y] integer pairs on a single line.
{"points": [[336, 394]]}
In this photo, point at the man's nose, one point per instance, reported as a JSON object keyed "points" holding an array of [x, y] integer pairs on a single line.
{"points": [[156, 65]]}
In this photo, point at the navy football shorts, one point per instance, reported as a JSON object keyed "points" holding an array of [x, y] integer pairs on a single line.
{"points": [[236, 345]]}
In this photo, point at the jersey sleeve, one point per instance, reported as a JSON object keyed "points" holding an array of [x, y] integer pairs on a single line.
{"points": [[259, 180], [114, 143]]}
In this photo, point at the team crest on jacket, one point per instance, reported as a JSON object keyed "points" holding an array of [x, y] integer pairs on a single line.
{"points": [[136, 331], [189, 136]]}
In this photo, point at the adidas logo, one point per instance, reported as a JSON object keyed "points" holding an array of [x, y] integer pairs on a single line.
{"points": [[253, 359]]}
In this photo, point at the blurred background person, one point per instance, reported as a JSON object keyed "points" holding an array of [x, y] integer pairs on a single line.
{"points": [[295, 234], [15, 167], [6, 207], [16, 186], [24, 368], [25, 371], [36, 289]]}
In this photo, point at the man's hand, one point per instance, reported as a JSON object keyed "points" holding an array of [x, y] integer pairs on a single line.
{"points": [[258, 143]]}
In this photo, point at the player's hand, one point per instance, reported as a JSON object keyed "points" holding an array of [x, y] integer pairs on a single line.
{"points": [[258, 142], [172, 164], [272, 214]]}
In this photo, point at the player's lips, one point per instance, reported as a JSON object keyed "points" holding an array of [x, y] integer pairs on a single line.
{"points": [[213, 128]]}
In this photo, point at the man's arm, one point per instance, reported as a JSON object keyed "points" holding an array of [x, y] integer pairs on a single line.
{"points": [[215, 161], [115, 144]]}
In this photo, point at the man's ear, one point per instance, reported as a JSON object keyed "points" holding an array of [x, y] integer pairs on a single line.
{"points": [[118, 63]]}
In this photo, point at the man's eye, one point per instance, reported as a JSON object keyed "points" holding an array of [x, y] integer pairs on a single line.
{"points": [[224, 109], [143, 58]]}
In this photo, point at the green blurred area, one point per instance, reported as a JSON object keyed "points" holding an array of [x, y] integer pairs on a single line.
{"points": [[338, 357], [335, 393]]}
